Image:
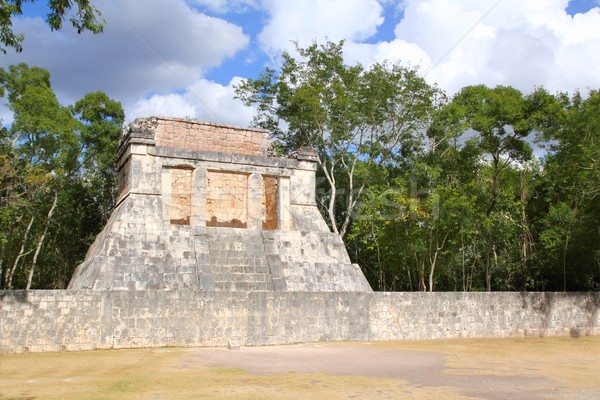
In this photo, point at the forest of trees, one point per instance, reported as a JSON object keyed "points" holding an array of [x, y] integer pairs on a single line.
{"points": [[57, 178], [436, 193], [490, 189]]}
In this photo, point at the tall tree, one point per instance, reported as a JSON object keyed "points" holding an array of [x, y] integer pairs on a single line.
{"points": [[57, 175], [357, 119], [498, 120], [101, 120], [44, 146], [570, 211]]}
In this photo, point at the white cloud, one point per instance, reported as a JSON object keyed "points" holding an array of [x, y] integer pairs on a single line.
{"points": [[154, 57], [204, 100], [173, 105], [309, 20], [521, 43], [437, 25], [158, 46], [409, 54]]}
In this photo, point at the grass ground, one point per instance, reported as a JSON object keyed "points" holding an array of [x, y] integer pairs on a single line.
{"points": [[529, 368]]}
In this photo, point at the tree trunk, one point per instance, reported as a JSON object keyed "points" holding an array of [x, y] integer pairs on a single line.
{"points": [[527, 237], [488, 271], [433, 262], [565, 264], [1, 267], [21, 254], [381, 278], [431, 272], [329, 175], [41, 241], [495, 265], [421, 269], [471, 275], [462, 254], [495, 189]]}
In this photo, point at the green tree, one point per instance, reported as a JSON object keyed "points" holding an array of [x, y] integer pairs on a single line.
{"points": [[357, 119], [85, 18], [473, 210], [57, 176], [498, 121], [101, 120], [44, 147], [568, 209], [558, 229]]}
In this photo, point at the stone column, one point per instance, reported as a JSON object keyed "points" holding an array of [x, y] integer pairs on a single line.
{"points": [[284, 219], [303, 183], [166, 189], [199, 186], [255, 199]]}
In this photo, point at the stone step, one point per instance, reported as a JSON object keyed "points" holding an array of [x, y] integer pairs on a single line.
{"points": [[244, 286], [235, 242], [239, 269], [241, 277], [238, 262], [241, 254], [235, 245]]}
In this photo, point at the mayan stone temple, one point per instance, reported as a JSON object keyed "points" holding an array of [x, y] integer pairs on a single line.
{"points": [[207, 207], [216, 242]]}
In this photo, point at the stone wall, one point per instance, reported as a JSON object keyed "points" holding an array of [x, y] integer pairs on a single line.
{"points": [[196, 135], [206, 207], [226, 199], [270, 202], [180, 207], [83, 320]]}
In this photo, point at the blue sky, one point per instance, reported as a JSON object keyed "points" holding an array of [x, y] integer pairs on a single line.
{"points": [[581, 6], [182, 57]]}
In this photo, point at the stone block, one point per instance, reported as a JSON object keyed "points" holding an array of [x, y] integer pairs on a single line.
{"points": [[203, 194]]}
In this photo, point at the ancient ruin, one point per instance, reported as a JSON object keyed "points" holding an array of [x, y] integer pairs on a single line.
{"points": [[215, 242], [206, 207]]}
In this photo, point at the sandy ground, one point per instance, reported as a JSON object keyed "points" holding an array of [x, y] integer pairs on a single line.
{"points": [[530, 368]]}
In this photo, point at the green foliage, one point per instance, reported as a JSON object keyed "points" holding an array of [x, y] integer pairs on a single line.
{"points": [[443, 195], [430, 194], [568, 204], [57, 168], [101, 120], [85, 18], [557, 223], [44, 130], [474, 211], [358, 119]]}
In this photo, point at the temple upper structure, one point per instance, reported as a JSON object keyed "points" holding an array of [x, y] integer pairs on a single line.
{"points": [[203, 206]]}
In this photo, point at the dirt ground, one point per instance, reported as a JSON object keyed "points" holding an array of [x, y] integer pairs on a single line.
{"points": [[529, 368]]}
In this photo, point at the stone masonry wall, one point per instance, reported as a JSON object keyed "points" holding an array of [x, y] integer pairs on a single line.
{"points": [[37, 321], [195, 135], [227, 199], [269, 202], [206, 207], [180, 209]]}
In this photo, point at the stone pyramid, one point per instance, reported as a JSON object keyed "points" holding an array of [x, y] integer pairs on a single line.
{"points": [[204, 206]]}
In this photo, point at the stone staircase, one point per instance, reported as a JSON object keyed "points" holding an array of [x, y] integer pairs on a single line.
{"points": [[238, 261]]}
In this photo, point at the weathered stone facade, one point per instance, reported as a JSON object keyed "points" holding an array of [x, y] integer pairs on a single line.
{"points": [[57, 320], [206, 207], [213, 241]]}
